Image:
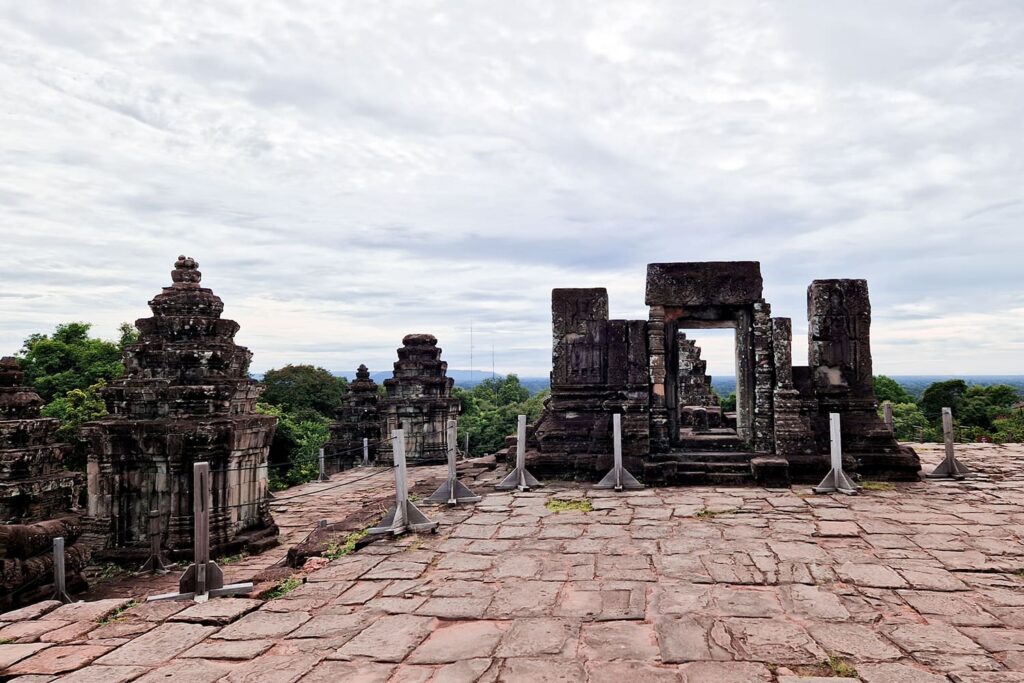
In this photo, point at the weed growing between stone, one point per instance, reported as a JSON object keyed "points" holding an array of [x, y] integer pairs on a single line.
{"points": [[877, 486], [119, 615], [840, 668], [336, 550], [566, 505], [283, 588]]}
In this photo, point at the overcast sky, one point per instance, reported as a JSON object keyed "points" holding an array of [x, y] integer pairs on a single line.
{"points": [[348, 172]]}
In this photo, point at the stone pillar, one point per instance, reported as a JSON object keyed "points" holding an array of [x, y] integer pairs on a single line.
{"points": [[764, 378], [794, 439], [839, 351], [660, 442]]}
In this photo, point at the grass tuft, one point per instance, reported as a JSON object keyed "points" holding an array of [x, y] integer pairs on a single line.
{"points": [[283, 588], [118, 615], [877, 486], [567, 505], [336, 550], [840, 668]]}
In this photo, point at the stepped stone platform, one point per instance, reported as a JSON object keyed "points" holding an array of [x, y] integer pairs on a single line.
{"points": [[907, 583]]}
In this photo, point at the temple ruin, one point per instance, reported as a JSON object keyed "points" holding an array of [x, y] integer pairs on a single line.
{"points": [[418, 400], [185, 397], [38, 498], [650, 372], [357, 418]]}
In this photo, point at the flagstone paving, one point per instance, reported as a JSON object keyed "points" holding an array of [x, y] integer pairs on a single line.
{"points": [[923, 583]]}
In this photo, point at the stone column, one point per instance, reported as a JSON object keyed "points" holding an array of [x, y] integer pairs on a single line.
{"points": [[660, 442]]}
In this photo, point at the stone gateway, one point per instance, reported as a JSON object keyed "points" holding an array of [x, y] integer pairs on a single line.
{"points": [[673, 429]]}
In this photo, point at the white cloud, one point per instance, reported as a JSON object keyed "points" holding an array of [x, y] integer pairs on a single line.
{"points": [[349, 172]]}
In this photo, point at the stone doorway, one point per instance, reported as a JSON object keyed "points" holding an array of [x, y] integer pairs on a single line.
{"points": [[698, 418]]}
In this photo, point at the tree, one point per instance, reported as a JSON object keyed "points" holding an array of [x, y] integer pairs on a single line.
{"points": [[74, 409], [888, 389], [294, 453], [908, 422], [489, 411], [69, 359], [298, 388], [939, 395]]}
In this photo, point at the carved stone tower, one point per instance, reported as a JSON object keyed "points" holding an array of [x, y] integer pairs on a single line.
{"points": [[185, 397]]}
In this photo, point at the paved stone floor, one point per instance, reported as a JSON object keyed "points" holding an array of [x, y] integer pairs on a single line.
{"points": [[919, 584]]}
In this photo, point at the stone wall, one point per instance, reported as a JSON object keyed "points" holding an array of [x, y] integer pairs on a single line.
{"points": [[38, 498], [599, 367]]}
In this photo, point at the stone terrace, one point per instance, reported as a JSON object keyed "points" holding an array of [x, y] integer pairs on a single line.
{"points": [[920, 584]]}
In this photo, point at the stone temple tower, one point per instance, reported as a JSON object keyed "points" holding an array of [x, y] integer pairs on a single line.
{"points": [[186, 397], [419, 400]]}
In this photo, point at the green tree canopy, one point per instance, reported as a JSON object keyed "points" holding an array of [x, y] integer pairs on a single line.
{"points": [[939, 395], [75, 408], [888, 389], [299, 388], [70, 359], [489, 411]]}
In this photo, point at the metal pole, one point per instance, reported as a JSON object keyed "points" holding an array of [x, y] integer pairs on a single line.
{"points": [[401, 490], [950, 466], [320, 463], [404, 516], [836, 479], [519, 478], [947, 432], [60, 589], [453, 440], [465, 449], [618, 478], [617, 449], [201, 516], [887, 412], [366, 452], [203, 579], [452, 491]]}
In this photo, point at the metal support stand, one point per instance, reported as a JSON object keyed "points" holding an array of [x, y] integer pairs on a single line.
{"points": [[519, 478], [950, 467], [320, 463], [465, 449], [618, 478], [404, 516], [366, 452], [452, 491], [60, 586], [155, 564], [836, 480], [887, 414], [203, 579]]}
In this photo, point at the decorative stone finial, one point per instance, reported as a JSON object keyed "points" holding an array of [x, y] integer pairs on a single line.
{"points": [[11, 374], [420, 339], [186, 270], [362, 372]]}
